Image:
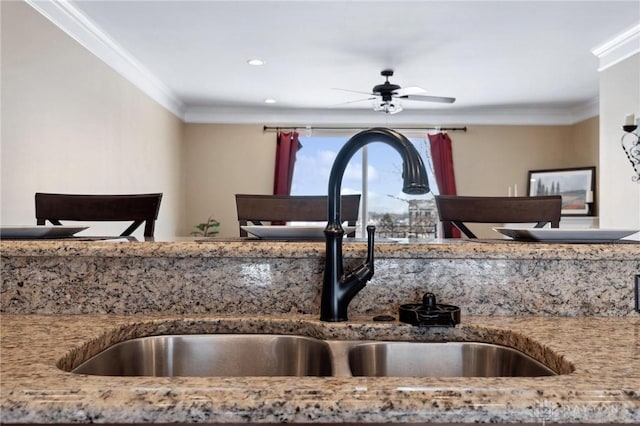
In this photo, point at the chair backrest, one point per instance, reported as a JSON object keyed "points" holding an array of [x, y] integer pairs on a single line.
{"points": [[460, 209], [285, 208], [138, 208]]}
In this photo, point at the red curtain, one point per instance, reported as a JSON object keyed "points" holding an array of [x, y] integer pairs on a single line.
{"points": [[287, 146], [442, 157]]}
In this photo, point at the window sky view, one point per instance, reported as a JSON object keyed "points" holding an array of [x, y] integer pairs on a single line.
{"points": [[315, 159]]}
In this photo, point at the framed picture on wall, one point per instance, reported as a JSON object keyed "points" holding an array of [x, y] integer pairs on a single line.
{"points": [[576, 186]]}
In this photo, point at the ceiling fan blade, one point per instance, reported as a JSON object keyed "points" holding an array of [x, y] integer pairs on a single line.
{"points": [[425, 98], [411, 90], [351, 102], [353, 91]]}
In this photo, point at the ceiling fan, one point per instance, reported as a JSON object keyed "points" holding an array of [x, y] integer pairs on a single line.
{"points": [[386, 95]]}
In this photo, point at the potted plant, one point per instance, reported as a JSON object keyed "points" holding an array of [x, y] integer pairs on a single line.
{"points": [[208, 229]]}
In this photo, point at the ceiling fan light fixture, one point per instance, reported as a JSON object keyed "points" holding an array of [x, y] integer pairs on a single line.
{"points": [[387, 107]]}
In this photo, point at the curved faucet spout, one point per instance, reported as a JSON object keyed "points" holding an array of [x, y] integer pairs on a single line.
{"points": [[338, 290]]}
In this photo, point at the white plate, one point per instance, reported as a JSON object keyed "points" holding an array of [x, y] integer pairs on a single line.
{"points": [[568, 235], [291, 232], [32, 232]]}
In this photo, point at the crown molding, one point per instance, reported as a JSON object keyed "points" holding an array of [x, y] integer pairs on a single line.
{"points": [[73, 22], [584, 111], [618, 48], [507, 115]]}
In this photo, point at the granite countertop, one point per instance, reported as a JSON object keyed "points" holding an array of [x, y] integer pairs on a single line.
{"points": [[252, 248], [599, 356], [189, 277]]}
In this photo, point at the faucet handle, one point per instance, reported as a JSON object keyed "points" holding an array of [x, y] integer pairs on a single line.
{"points": [[364, 272]]}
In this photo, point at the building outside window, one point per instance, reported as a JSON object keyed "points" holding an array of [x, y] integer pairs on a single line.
{"points": [[395, 214]]}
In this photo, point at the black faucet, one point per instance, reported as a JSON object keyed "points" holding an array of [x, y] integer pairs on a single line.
{"points": [[337, 289]]}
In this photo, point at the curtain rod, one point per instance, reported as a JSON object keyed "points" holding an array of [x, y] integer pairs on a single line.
{"points": [[276, 129]]}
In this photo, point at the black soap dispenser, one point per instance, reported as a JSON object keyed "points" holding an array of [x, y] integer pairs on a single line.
{"points": [[429, 313]]}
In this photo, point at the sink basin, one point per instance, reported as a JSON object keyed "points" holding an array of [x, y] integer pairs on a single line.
{"points": [[209, 355], [213, 355], [452, 359]]}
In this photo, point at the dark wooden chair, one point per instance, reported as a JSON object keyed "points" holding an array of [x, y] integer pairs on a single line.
{"points": [[285, 208], [459, 209], [138, 208]]}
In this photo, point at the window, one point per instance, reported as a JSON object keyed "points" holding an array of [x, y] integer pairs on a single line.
{"points": [[395, 214]]}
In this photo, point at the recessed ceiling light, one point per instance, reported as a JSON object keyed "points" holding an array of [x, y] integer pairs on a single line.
{"points": [[269, 101], [256, 62]]}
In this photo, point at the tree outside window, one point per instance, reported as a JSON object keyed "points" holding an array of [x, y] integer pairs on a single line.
{"points": [[395, 214]]}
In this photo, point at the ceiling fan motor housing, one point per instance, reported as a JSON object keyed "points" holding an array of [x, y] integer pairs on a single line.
{"points": [[386, 90]]}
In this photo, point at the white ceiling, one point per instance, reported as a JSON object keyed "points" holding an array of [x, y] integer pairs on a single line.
{"points": [[519, 60]]}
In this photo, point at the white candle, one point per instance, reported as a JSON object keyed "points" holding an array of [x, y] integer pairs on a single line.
{"points": [[629, 120], [515, 190]]}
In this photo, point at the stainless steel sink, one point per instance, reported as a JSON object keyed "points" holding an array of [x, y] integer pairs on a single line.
{"points": [[213, 355], [452, 359], [287, 355]]}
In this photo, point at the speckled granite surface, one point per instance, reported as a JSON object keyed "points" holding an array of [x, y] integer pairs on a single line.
{"points": [[569, 305], [501, 278], [603, 352]]}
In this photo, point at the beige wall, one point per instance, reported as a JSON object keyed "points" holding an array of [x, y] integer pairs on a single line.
{"points": [[489, 159], [71, 124], [619, 96], [585, 143], [222, 160]]}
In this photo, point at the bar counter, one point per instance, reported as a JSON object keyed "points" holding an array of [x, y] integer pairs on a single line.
{"points": [[570, 306]]}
